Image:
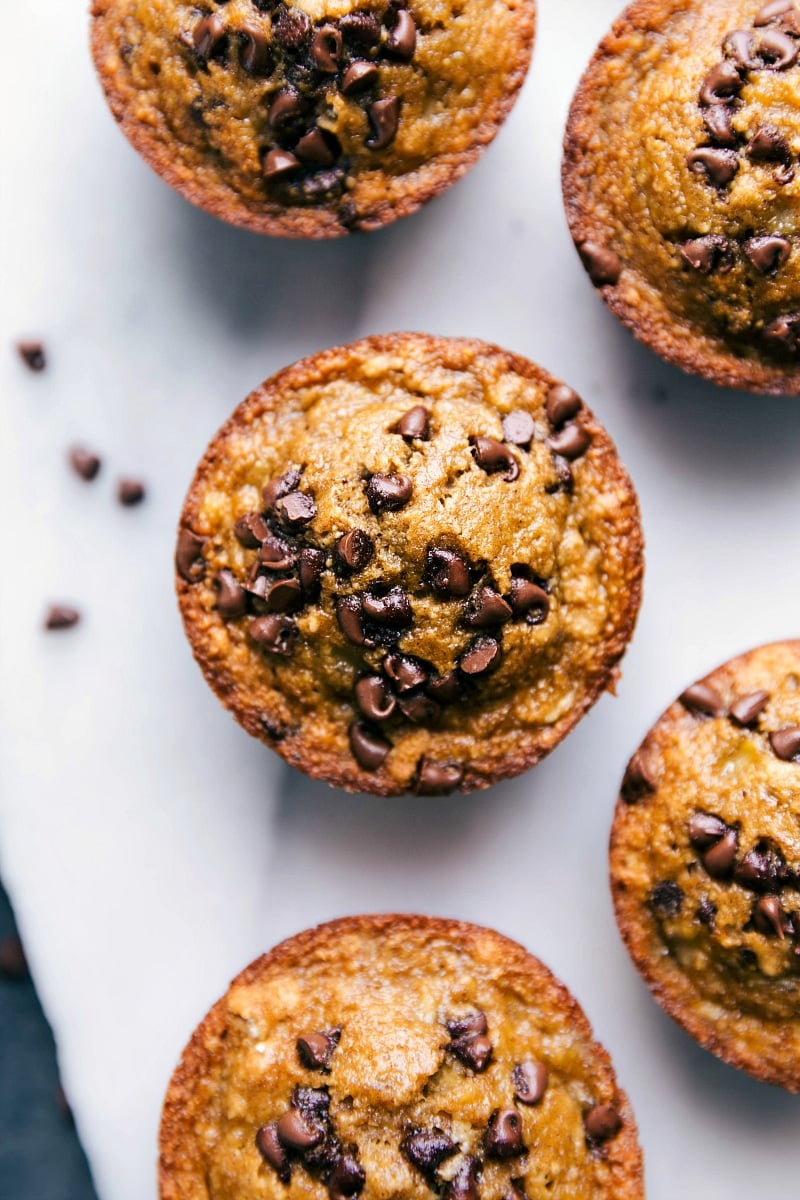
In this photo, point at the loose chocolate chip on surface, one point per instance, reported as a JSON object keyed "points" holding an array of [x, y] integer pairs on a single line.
{"points": [[130, 492], [359, 76], [638, 780], [702, 698], [391, 609], [384, 116], [296, 1131], [518, 428], [705, 830], [427, 1149], [374, 698], [231, 598], [486, 609], [769, 917], [464, 1185], [347, 1178], [189, 560], [312, 564], [602, 1122], [254, 55], [84, 463], [437, 779], [326, 49], [483, 656], [786, 743], [251, 530], [708, 254], [503, 1138], [719, 123], [492, 456], [350, 615], [278, 163], [447, 573], [747, 709], [718, 166], [415, 425], [571, 442], [563, 404], [666, 899], [315, 1050], [404, 671], [273, 1152], [287, 105], [721, 84], [369, 748], [388, 493], [274, 634], [354, 550], [295, 510], [719, 859], [604, 267], [767, 253], [402, 39], [33, 355], [13, 964], [529, 600], [530, 1081], [208, 35]]}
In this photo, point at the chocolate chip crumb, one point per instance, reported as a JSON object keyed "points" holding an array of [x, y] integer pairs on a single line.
{"points": [[130, 492], [84, 463], [61, 616], [33, 355]]}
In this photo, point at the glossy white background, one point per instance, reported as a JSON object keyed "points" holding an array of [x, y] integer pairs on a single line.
{"points": [[150, 847]]}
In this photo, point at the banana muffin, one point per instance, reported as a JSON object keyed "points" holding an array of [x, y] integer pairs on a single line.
{"points": [[705, 862], [681, 187], [311, 118], [410, 564], [401, 1057]]}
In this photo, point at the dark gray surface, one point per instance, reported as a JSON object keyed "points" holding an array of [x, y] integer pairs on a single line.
{"points": [[40, 1156]]}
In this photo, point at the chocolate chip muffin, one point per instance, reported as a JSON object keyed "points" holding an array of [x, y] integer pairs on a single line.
{"points": [[681, 184], [410, 564], [401, 1057], [311, 118], [705, 862]]}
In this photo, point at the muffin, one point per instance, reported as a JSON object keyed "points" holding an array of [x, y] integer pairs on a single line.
{"points": [[402, 1057], [311, 118], [705, 862], [680, 184], [410, 564]]}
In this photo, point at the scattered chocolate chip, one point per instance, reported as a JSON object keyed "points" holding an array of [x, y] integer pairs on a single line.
{"points": [[446, 689], [769, 917], [274, 634], [231, 597], [747, 709], [420, 709], [314, 1102], [437, 779], [604, 267], [571, 442], [277, 488], [481, 657], [296, 510], [529, 600], [767, 253], [768, 145], [718, 166], [374, 698], [391, 608], [562, 405], [492, 456], [486, 609], [13, 964], [464, 1184], [251, 530], [721, 84], [84, 463], [415, 425], [783, 333], [349, 614], [359, 76], [467, 1026], [315, 1050], [503, 1138], [427, 1149], [702, 698], [291, 28], [354, 550], [761, 870], [564, 480], [666, 899], [719, 859], [208, 35], [518, 428], [130, 492], [404, 671], [706, 912], [447, 573], [287, 105], [786, 743], [326, 49], [278, 163], [255, 54], [189, 560], [719, 123], [297, 1131], [530, 1081], [473, 1050], [402, 39], [705, 830], [312, 564], [384, 116], [33, 355], [777, 49], [317, 148], [738, 46], [282, 596], [273, 1152], [773, 11], [388, 493], [362, 29], [347, 1178], [709, 254], [602, 1122], [638, 780], [275, 555], [369, 748]]}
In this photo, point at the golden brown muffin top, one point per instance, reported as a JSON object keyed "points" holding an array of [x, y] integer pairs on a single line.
{"points": [[397, 1058], [705, 861], [315, 117], [410, 563], [681, 185]]}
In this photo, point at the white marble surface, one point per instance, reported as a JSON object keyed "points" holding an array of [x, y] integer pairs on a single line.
{"points": [[150, 847]]}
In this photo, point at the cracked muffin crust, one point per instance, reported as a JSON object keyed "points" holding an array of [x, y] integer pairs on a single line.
{"points": [[410, 564], [402, 1057], [315, 117], [681, 187], [705, 862]]}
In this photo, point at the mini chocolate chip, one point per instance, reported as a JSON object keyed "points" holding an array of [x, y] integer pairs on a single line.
{"points": [[388, 493], [786, 743], [33, 355], [384, 116], [315, 1050], [326, 49], [13, 963], [354, 550], [709, 254], [251, 530], [283, 596], [719, 123], [61, 616], [768, 917], [571, 442], [747, 709], [278, 163], [760, 871], [273, 1152], [706, 912], [404, 671], [492, 456], [369, 748], [374, 698], [419, 709], [564, 481], [350, 615], [602, 1122], [721, 84], [231, 598], [362, 29], [317, 148], [392, 609], [291, 28], [783, 333], [720, 858], [446, 572], [638, 780], [255, 54], [415, 425], [274, 634], [529, 600], [84, 463], [347, 1178], [530, 1081], [486, 609], [275, 555], [518, 428], [777, 49], [773, 11], [446, 689], [666, 899], [604, 267], [473, 1050], [287, 105], [705, 830], [463, 1185], [767, 253], [562, 405], [402, 39], [296, 510], [718, 166], [482, 657], [437, 779], [701, 697], [208, 35], [427, 1149], [296, 1131], [470, 1025], [312, 564], [189, 559], [130, 492], [359, 76], [503, 1138]]}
